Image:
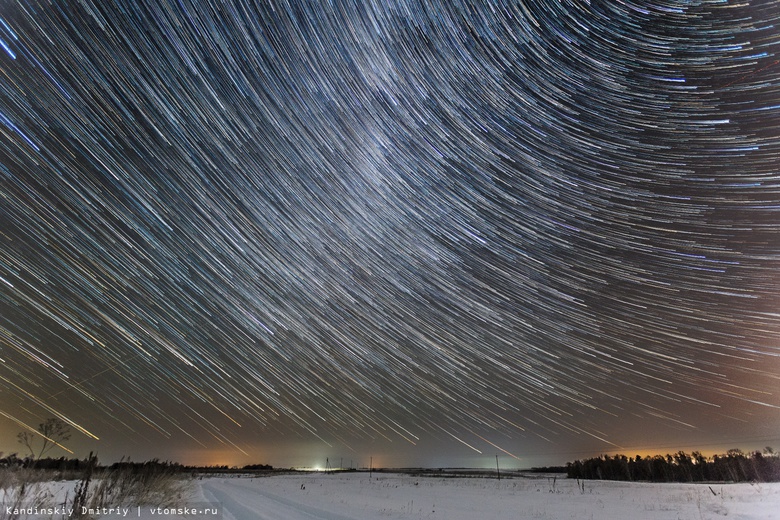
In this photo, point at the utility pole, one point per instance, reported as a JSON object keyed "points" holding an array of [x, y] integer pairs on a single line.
{"points": [[498, 472], [370, 467]]}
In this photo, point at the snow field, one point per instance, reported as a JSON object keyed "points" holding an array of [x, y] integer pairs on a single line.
{"points": [[397, 496]]}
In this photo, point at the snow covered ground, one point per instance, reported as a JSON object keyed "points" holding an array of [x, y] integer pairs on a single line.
{"points": [[355, 496]]}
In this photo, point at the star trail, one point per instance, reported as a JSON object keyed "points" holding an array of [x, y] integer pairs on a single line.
{"points": [[429, 230]]}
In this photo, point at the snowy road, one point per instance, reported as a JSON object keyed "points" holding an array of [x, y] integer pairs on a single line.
{"points": [[243, 499]]}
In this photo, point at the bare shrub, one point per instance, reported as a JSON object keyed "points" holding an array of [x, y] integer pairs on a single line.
{"points": [[127, 484], [22, 488], [126, 487]]}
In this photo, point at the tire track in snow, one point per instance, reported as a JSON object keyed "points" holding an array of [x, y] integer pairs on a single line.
{"points": [[247, 501]]}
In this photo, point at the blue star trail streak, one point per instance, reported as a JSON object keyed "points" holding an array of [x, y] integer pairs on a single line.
{"points": [[502, 225]]}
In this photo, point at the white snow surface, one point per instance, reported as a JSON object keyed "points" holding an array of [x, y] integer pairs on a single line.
{"points": [[355, 496]]}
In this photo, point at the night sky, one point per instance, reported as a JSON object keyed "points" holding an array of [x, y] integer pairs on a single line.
{"points": [[424, 232]]}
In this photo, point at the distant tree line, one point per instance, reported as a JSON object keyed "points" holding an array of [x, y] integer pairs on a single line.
{"points": [[258, 467], [53, 432], [48, 463], [734, 466], [154, 466]]}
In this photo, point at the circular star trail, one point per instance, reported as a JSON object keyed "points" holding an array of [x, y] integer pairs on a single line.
{"points": [[225, 224]]}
